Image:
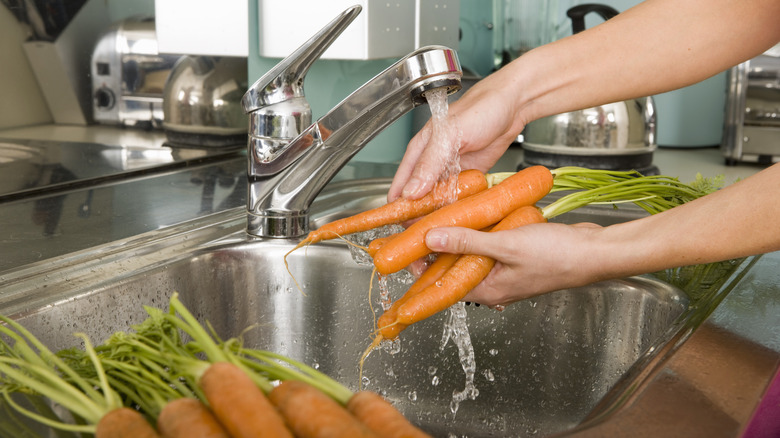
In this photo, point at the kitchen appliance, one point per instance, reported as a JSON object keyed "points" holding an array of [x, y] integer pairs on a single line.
{"points": [[615, 136], [202, 101], [521, 25], [128, 75], [752, 123]]}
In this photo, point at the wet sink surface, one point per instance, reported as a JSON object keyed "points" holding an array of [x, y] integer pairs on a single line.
{"points": [[540, 366]]}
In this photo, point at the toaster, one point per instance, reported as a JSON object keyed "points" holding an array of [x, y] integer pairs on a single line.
{"points": [[752, 122], [129, 75]]}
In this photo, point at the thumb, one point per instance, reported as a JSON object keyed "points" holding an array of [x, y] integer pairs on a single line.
{"points": [[458, 240]]}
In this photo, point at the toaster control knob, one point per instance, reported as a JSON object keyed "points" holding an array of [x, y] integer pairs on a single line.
{"points": [[104, 98]]}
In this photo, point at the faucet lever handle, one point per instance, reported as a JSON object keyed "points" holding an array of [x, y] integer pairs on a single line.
{"points": [[285, 81]]}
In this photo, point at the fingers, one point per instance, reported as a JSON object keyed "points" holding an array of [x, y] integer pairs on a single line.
{"points": [[409, 163], [464, 241], [530, 260]]}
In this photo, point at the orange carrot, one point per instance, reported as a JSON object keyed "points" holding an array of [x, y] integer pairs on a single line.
{"points": [[377, 243], [488, 207], [124, 422], [467, 272], [382, 417], [189, 418], [239, 404], [386, 324], [311, 413], [400, 210]]}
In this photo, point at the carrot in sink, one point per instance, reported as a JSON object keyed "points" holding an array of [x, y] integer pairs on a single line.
{"points": [[236, 396], [312, 414], [376, 413], [398, 211], [189, 418], [481, 210], [30, 365], [382, 417], [311, 403], [124, 422]]}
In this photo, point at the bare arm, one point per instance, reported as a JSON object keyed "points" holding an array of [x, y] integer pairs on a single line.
{"points": [[657, 46]]}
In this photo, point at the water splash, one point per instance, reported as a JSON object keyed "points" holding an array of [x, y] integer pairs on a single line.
{"points": [[456, 330], [363, 238]]}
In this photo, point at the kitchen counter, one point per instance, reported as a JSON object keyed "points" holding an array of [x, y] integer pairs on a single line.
{"points": [[708, 384]]}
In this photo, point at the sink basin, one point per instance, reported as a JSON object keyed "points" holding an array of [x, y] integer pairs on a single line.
{"points": [[542, 365]]}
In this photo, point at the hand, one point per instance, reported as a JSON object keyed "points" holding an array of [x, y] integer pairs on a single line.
{"points": [[485, 121], [530, 260]]}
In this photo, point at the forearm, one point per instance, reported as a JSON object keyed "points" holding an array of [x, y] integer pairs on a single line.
{"points": [[657, 46], [737, 221]]}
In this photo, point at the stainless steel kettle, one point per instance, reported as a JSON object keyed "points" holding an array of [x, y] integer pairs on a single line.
{"points": [[202, 102], [615, 136]]}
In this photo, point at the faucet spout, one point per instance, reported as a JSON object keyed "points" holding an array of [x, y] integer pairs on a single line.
{"points": [[285, 177]]}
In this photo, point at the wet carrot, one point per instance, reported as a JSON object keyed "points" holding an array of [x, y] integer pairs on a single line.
{"points": [[239, 404], [386, 324], [311, 413], [483, 209], [382, 417], [124, 422], [189, 418], [467, 272], [400, 210], [377, 243]]}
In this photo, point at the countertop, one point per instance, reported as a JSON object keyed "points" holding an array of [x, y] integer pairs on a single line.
{"points": [[723, 368]]}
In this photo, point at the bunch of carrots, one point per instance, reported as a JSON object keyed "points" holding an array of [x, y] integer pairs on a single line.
{"points": [[150, 383], [494, 202]]}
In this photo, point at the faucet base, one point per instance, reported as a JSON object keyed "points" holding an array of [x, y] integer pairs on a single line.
{"points": [[277, 226]]}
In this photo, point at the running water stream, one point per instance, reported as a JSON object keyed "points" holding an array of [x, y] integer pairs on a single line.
{"points": [[441, 152], [441, 155], [443, 147]]}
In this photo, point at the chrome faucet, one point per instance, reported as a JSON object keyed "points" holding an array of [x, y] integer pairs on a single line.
{"points": [[291, 159]]}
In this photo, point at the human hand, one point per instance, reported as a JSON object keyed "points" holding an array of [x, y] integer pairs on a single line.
{"points": [[530, 260], [485, 123]]}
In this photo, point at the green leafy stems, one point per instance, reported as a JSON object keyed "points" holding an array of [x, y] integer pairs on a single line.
{"points": [[653, 193], [144, 369]]}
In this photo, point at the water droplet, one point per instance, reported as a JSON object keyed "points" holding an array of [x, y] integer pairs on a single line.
{"points": [[493, 351], [412, 396]]}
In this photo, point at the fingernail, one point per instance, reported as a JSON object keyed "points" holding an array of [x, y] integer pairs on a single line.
{"points": [[412, 187], [436, 240]]}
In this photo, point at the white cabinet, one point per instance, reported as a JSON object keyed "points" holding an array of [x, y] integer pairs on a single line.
{"points": [[203, 27]]}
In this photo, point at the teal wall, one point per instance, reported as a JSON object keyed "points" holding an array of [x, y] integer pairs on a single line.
{"points": [[119, 9]]}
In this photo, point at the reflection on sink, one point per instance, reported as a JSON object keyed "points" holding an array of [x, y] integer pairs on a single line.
{"points": [[542, 364], [31, 167]]}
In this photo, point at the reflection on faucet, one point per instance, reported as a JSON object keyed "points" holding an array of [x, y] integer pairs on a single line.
{"points": [[291, 159]]}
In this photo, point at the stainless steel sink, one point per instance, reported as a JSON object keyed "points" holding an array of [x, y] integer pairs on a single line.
{"points": [[542, 365]]}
